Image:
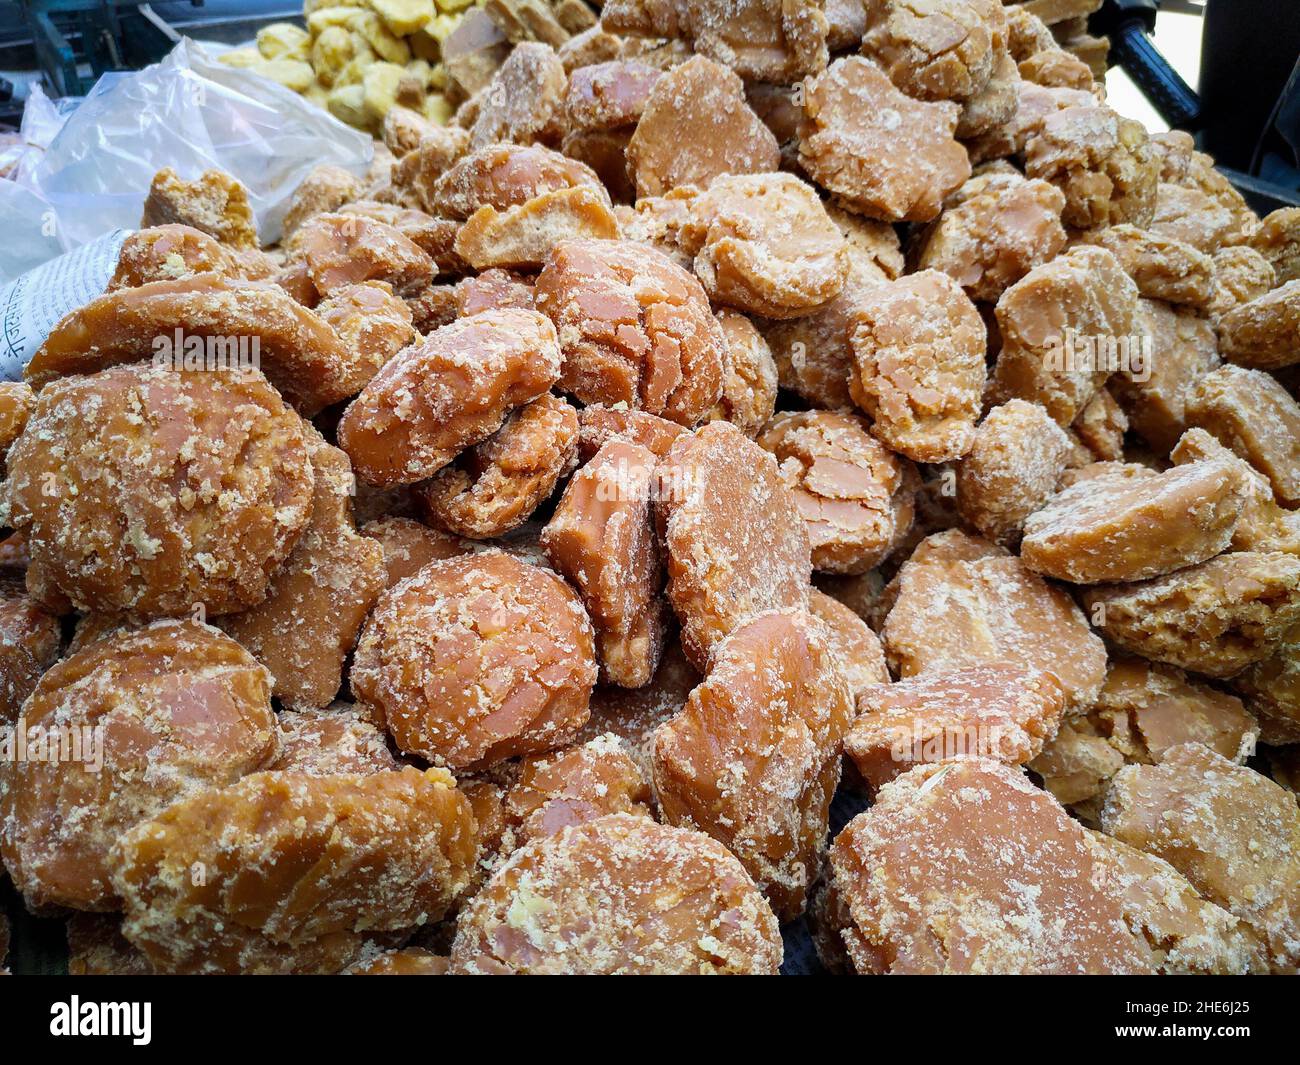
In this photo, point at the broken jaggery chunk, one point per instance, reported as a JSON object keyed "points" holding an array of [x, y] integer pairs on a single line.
{"points": [[495, 486], [325, 188], [177, 707], [1161, 267], [205, 521], [575, 785], [1264, 333], [966, 867], [1101, 161], [1066, 327], [525, 235], [410, 545], [993, 230], [598, 425], [347, 249], [214, 203], [734, 540], [524, 102], [1251, 413], [1216, 618], [339, 738], [635, 329], [372, 322], [1240, 275], [853, 645], [918, 364], [1146, 708], [204, 322], [1012, 468], [764, 243], [1101, 426], [1188, 935], [1232, 832], [17, 402], [307, 626], [696, 126], [881, 153], [852, 492], [446, 393], [955, 612], [1203, 209], [286, 872], [761, 40], [754, 756], [607, 96], [936, 51], [173, 252], [1271, 689], [535, 914], [1125, 522], [602, 539], [1075, 766], [994, 105], [505, 176], [1278, 240], [476, 659], [30, 641], [1000, 711], [749, 380]]}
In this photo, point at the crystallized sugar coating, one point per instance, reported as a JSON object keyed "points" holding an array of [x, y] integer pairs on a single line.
{"points": [[339, 738]]}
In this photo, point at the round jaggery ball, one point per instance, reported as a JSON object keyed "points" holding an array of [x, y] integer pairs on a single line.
{"points": [[476, 659], [150, 491], [620, 894], [145, 716], [635, 328]]}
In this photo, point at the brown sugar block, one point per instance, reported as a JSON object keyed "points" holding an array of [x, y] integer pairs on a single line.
{"points": [[524, 102], [1278, 240], [525, 236], [621, 867], [505, 176], [30, 641], [1161, 267], [409, 545], [854, 646], [1265, 332], [750, 376], [734, 541], [936, 51], [178, 707], [476, 659], [214, 203], [339, 738], [999, 711], [754, 756], [967, 867]]}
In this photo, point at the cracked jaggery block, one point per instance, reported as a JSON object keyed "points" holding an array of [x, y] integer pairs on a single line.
{"points": [[214, 203], [326, 188], [1241, 274], [446, 393], [1251, 412], [967, 867], [761, 40], [1178, 349], [415, 175], [1076, 765], [598, 425], [1033, 103], [1057, 68], [495, 486], [17, 402], [734, 540], [749, 380], [181, 707], [1216, 618], [635, 328], [1015, 460], [1124, 522], [1101, 426], [764, 244], [1264, 333], [297, 872], [346, 249], [527, 20], [174, 252], [951, 612], [1145, 709], [1271, 689], [851, 491], [1161, 267], [1065, 327], [658, 222], [1197, 216], [372, 322], [525, 236], [1232, 832], [476, 659], [307, 625], [403, 128], [213, 469], [993, 105], [999, 711], [671, 900], [696, 126], [493, 290], [993, 231], [433, 236], [754, 756], [30, 641], [918, 368], [1188, 935], [504, 176], [602, 538], [943, 50], [410, 545], [575, 785], [881, 153], [339, 738], [606, 96], [854, 646], [524, 101], [1101, 161], [1278, 241], [220, 321]]}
